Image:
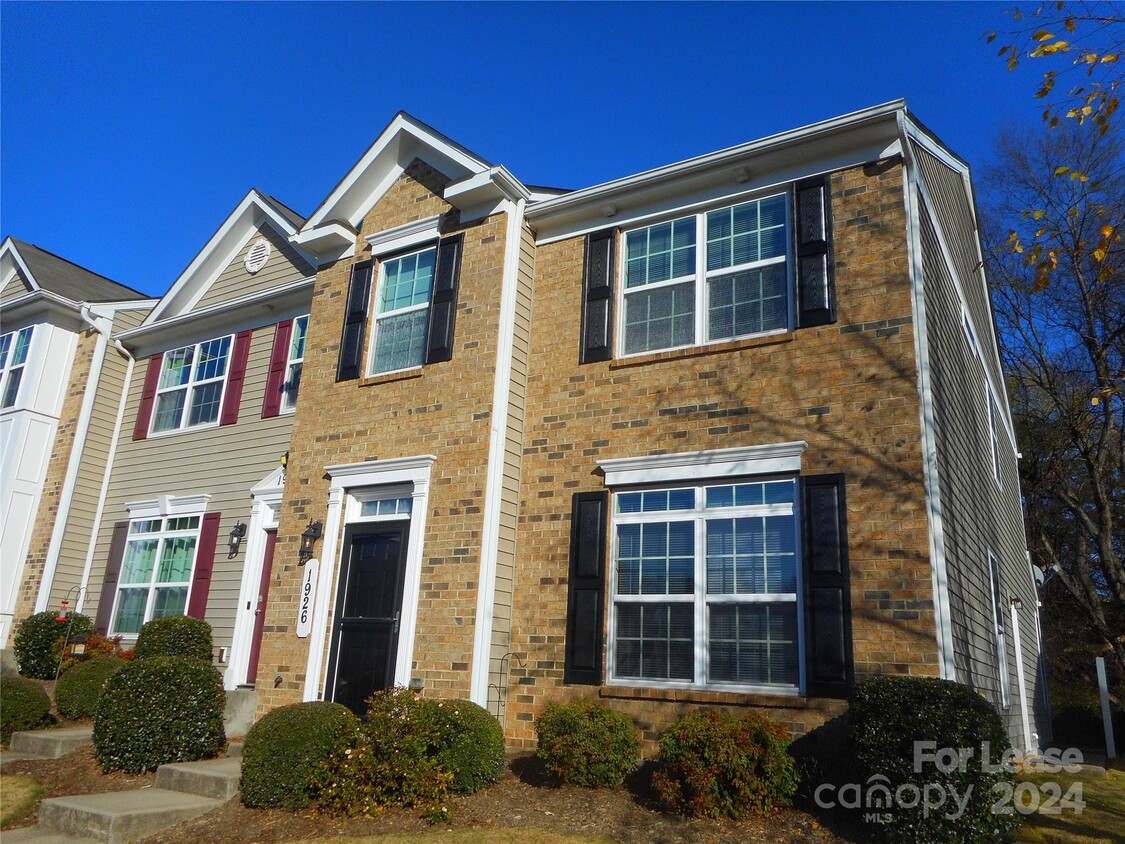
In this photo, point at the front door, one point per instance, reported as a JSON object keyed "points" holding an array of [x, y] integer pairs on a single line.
{"points": [[260, 609], [369, 599]]}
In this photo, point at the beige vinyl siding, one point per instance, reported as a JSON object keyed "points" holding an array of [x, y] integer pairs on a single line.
{"points": [[285, 265], [92, 465], [513, 454], [16, 287], [224, 462]]}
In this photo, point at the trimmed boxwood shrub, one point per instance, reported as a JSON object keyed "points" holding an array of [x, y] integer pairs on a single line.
{"points": [[468, 743], [586, 743], [38, 641], [889, 715], [24, 705], [175, 635], [281, 749], [715, 764], [157, 710], [78, 690]]}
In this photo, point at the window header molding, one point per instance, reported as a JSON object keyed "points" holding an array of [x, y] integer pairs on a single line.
{"points": [[405, 236], [775, 458], [167, 505]]}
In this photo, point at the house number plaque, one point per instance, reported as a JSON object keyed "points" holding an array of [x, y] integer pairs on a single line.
{"points": [[308, 593]]}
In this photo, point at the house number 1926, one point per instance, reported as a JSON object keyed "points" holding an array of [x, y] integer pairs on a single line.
{"points": [[308, 593]]}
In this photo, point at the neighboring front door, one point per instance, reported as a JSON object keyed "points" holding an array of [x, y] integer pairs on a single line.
{"points": [[369, 598], [260, 609]]}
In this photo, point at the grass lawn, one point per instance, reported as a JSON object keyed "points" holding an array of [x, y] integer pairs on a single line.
{"points": [[474, 836], [17, 797], [1101, 820]]}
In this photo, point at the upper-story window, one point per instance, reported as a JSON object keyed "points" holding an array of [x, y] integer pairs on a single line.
{"points": [[994, 434], [190, 389], [13, 357], [402, 309], [677, 294], [295, 363], [155, 572]]}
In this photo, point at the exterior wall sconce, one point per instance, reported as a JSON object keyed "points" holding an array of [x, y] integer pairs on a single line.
{"points": [[1017, 604], [236, 534], [308, 539]]}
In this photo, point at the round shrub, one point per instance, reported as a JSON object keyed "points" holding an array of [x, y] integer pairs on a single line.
{"points": [[97, 645], [38, 642], [467, 743], [586, 743], [157, 710], [889, 716], [175, 635], [281, 749], [715, 764], [78, 690], [23, 706]]}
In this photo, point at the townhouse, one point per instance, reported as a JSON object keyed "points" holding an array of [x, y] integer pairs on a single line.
{"points": [[731, 432]]}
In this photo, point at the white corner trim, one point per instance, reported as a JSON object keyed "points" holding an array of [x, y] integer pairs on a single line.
{"points": [[494, 485], [405, 236], [775, 458], [168, 505]]}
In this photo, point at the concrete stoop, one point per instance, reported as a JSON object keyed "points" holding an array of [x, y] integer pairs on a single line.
{"points": [[216, 779], [51, 744], [122, 816]]}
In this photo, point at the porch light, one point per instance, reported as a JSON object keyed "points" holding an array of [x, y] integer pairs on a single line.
{"points": [[284, 461], [312, 533], [1017, 604], [236, 534]]}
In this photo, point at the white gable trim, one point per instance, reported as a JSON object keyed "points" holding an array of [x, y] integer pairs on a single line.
{"points": [[9, 250]]}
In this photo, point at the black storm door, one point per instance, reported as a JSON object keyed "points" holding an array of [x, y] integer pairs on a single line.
{"points": [[368, 605]]}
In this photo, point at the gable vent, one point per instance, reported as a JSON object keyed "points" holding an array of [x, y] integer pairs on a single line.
{"points": [[257, 256]]}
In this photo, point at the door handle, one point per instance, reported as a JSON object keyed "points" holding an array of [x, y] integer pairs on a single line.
{"points": [[394, 627]]}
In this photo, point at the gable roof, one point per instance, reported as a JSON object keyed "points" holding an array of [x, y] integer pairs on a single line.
{"points": [[47, 271]]}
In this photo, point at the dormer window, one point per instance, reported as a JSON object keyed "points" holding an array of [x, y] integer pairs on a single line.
{"points": [[190, 390]]}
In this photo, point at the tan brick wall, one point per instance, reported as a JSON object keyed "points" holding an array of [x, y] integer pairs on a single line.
{"points": [[443, 410], [56, 474], [848, 389]]}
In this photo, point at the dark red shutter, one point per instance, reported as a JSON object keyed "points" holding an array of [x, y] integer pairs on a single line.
{"points": [[597, 297], [816, 286], [109, 579], [148, 397], [204, 564], [355, 321], [237, 374], [585, 607], [443, 305], [275, 381], [829, 667]]}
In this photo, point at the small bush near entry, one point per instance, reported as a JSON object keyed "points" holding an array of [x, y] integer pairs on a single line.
{"points": [[714, 764], [175, 635], [157, 710], [78, 690], [281, 749], [23, 706], [38, 642], [97, 645], [889, 715], [468, 743], [586, 743]]}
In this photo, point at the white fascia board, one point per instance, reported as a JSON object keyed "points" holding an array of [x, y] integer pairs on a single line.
{"points": [[329, 242], [9, 250], [485, 191], [42, 306], [772, 459], [404, 236]]}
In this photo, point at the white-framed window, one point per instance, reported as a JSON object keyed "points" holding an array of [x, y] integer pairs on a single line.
{"points": [[155, 572], [14, 347], [402, 309], [998, 628], [994, 433], [295, 364], [189, 393], [704, 586], [717, 275]]}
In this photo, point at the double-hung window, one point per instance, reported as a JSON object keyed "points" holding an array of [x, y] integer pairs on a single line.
{"points": [[705, 585], [718, 275], [155, 572], [295, 363], [190, 390], [13, 357], [402, 311]]}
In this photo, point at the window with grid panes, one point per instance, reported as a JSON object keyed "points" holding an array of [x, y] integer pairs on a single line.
{"points": [[190, 390], [296, 363], [14, 347], [402, 309], [155, 571]]}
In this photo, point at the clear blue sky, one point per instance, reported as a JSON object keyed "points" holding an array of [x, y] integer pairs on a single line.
{"points": [[129, 131]]}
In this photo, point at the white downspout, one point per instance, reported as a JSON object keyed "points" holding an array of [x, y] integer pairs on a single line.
{"points": [[1027, 746]]}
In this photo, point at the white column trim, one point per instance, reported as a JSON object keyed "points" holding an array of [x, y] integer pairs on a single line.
{"points": [[242, 637]]}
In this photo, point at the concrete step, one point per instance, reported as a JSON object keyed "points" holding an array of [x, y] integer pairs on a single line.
{"points": [[214, 778], [234, 749], [51, 744], [39, 835], [238, 717], [121, 816]]}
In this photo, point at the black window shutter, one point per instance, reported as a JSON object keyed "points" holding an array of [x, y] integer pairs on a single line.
{"points": [[597, 296], [586, 597], [109, 579], [355, 322], [443, 306], [829, 668], [816, 285]]}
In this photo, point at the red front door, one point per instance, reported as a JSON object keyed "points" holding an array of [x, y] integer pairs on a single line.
{"points": [[260, 610]]}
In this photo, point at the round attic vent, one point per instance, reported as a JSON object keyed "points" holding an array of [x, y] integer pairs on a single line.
{"points": [[257, 256]]}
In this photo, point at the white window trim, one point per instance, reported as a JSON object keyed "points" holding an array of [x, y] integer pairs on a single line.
{"points": [[349, 484], [376, 317], [701, 276], [1000, 648], [772, 459], [190, 387], [286, 405], [993, 410], [7, 369], [403, 237]]}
